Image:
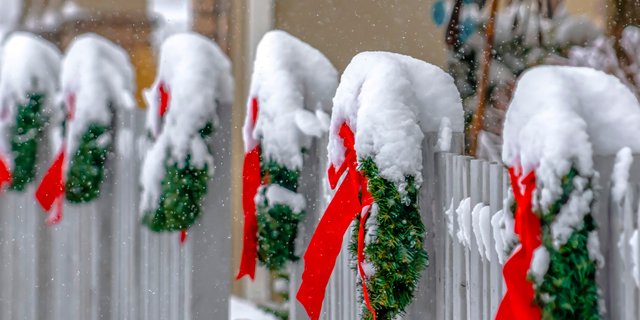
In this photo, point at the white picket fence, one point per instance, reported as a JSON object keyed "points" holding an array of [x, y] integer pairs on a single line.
{"points": [[462, 283], [101, 263]]}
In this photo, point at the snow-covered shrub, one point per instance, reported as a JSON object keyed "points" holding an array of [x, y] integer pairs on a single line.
{"points": [[194, 80], [29, 74]]}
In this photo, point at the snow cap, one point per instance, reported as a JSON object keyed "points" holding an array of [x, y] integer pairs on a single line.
{"points": [[197, 75], [294, 84], [30, 64], [100, 77], [389, 100], [561, 116]]}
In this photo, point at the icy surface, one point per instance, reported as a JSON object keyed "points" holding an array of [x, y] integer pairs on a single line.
{"points": [[294, 84], [197, 75], [380, 96], [99, 75], [620, 175]]}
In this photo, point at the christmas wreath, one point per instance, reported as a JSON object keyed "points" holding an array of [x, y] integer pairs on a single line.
{"points": [[28, 84], [194, 79], [97, 79]]}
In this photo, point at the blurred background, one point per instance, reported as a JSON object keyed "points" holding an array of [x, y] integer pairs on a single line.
{"points": [[583, 32]]}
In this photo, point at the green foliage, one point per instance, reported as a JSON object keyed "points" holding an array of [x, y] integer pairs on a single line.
{"points": [[397, 249], [183, 189], [277, 223], [281, 311], [86, 168], [25, 135], [569, 289]]}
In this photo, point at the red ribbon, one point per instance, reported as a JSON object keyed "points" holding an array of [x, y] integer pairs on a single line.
{"points": [[165, 96], [5, 173], [351, 198], [251, 181], [52, 187], [518, 302]]}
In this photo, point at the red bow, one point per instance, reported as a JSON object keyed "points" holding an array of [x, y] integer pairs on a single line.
{"points": [[324, 247], [251, 181], [518, 302], [51, 188], [5, 173]]}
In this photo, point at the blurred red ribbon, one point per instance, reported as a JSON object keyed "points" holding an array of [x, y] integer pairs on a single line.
{"points": [[51, 188], [5, 173], [351, 198], [518, 301], [251, 181]]}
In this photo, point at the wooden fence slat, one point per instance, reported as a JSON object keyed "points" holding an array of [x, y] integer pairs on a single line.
{"points": [[496, 202]]}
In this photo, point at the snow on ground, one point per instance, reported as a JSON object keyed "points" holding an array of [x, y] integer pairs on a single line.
{"points": [[240, 309]]}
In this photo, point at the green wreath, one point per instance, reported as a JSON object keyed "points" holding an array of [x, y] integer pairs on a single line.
{"points": [[277, 223], [568, 289], [183, 189], [25, 136], [86, 167], [397, 247]]}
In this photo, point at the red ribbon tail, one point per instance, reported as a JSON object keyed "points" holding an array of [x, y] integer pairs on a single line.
{"points": [[250, 185], [363, 220], [183, 237], [324, 247], [5, 173], [51, 188], [55, 216], [518, 302]]}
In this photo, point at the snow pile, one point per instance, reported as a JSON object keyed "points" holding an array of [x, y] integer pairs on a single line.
{"points": [[293, 83], [197, 75], [504, 236], [562, 116], [97, 78], [559, 118], [450, 214], [380, 97], [29, 65], [240, 309], [634, 243], [620, 175], [275, 194], [481, 225], [444, 136], [539, 264], [463, 213]]}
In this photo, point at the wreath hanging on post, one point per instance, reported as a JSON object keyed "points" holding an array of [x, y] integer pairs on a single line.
{"points": [[28, 84], [552, 272], [291, 90], [378, 118], [97, 79], [193, 81]]}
